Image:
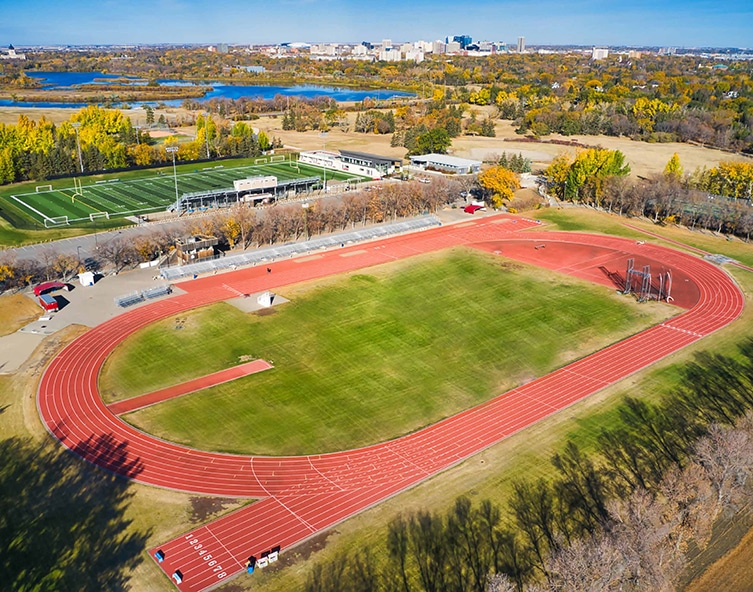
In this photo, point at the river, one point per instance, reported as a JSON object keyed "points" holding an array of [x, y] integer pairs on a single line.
{"points": [[69, 80]]}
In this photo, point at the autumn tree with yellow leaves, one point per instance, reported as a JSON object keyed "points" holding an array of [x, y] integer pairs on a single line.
{"points": [[583, 177], [499, 184]]}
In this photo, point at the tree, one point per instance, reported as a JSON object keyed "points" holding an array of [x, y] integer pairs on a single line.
{"points": [[557, 172], [674, 169], [435, 141], [149, 115], [118, 252], [263, 140], [499, 184]]}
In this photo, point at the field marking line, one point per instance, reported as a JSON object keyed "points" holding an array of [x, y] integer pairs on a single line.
{"points": [[23, 203], [311, 463], [275, 498]]}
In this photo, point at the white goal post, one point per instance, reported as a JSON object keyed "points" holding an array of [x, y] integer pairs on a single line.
{"points": [[280, 158], [44, 188], [56, 221], [94, 215], [260, 161]]}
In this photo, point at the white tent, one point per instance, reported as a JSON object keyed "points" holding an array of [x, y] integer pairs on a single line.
{"points": [[86, 278], [265, 299]]}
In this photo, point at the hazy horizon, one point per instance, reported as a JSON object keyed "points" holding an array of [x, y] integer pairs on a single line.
{"points": [[693, 23]]}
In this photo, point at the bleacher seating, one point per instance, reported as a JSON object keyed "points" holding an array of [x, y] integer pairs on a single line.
{"points": [[288, 250]]}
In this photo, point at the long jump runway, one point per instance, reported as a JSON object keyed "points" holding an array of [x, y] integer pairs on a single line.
{"points": [[301, 496]]}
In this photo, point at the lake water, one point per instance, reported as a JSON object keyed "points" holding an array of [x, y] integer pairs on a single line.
{"points": [[66, 80]]}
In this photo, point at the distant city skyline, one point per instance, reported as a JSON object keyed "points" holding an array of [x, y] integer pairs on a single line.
{"points": [[690, 23]]}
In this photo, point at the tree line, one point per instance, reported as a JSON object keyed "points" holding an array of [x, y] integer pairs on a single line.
{"points": [[717, 199], [100, 139], [619, 516]]}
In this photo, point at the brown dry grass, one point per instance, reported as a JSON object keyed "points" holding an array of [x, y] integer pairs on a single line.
{"points": [[16, 310], [732, 573]]}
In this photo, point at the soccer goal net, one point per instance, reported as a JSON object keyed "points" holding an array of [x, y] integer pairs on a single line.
{"points": [[260, 161], [280, 158], [94, 215], [44, 188], [55, 221]]}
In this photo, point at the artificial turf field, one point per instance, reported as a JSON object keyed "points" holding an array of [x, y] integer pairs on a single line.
{"points": [[370, 356], [128, 197]]}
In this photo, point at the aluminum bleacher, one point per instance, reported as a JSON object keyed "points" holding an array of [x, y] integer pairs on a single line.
{"points": [[137, 297], [299, 248]]}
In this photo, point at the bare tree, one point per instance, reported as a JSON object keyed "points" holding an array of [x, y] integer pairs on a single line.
{"points": [[725, 456], [47, 257], [66, 266], [118, 252], [587, 565], [499, 583]]}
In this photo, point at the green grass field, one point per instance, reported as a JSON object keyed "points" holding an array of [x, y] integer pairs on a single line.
{"points": [[371, 356], [131, 196]]}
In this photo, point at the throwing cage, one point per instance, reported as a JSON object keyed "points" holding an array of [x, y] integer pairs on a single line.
{"points": [[640, 283]]}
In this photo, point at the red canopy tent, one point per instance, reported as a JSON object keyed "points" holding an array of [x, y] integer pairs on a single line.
{"points": [[49, 287]]}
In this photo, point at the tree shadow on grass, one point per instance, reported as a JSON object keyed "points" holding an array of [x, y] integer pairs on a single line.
{"points": [[62, 524]]}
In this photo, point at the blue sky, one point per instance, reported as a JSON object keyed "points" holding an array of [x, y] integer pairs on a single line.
{"points": [[685, 23]]}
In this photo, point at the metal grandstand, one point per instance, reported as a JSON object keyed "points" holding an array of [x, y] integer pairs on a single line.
{"points": [[218, 198], [292, 249]]}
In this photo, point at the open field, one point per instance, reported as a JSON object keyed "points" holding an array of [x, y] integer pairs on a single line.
{"points": [[644, 158], [16, 310], [116, 198], [371, 356]]}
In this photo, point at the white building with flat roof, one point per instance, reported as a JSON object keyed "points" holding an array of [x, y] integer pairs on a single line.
{"points": [[446, 163]]}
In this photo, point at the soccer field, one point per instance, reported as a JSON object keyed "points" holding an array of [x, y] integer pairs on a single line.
{"points": [[113, 198]]}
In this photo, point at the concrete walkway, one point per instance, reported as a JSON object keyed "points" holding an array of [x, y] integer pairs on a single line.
{"points": [[87, 306]]}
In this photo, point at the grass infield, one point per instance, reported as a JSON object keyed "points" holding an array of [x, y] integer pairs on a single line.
{"points": [[368, 357]]}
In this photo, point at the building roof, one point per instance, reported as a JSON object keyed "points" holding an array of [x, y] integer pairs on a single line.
{"points": [[371, 157], [445, 159]]}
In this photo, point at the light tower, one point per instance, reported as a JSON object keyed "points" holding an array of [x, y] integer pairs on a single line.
{"points": [[77, 125], [172, 150]]}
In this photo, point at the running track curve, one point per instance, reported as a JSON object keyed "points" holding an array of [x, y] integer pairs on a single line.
{"points": [[300, 496]]}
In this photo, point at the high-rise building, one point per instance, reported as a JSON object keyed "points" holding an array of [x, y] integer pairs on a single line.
{"points": [[521, 44], [463, 40], [599, 53]]}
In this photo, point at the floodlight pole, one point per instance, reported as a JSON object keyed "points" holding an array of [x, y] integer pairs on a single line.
{"points": [[206, 132], [77, 125], [305, 207], [172, 150], [323, 136]]}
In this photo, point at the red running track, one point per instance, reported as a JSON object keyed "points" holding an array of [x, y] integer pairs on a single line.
{"points": [[303, 495], [190, 386]]}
